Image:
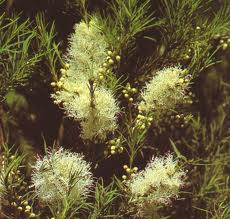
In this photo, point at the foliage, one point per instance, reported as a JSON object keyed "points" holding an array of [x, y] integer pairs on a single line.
{"points": [[16, 200], [188, 28], [105, 197], [127, 20], [209, 160], [18, 58]]}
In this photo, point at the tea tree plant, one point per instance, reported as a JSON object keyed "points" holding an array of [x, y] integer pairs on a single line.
{"points": [[125, 83]]}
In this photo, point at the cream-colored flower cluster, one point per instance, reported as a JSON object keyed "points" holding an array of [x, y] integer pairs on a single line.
{"points": [[78, 90], [164, 92], [62, 175], [87, 51], [157, 183], [97, 120]]}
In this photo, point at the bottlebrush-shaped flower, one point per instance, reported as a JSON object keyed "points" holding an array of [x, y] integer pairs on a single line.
{"points": [[97, 114], [87, 51], [62, 175], [164, 91], [91, 104], [156, 184]]}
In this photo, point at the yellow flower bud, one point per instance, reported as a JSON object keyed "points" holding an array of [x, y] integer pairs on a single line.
{"points": [[143, 126], [101, 77], [135, 169], [124, 177], [25, 203], [118, 58], [14, 204], [125, 166], [133, 174], [121, 149], [221, 41], [113, 148], [126, 95], [134, 90], [112, 142], [139, 116], [113, 152], [110, 53], [187, 57], [28, 207], [19, 208], [150, 119], [111, 62], [131, 99], [32, 215], [225, 46], [53, 84]]}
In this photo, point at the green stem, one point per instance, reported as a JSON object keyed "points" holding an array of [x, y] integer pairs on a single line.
{"points": [[84, 11], [2, 129], [92, 95]]}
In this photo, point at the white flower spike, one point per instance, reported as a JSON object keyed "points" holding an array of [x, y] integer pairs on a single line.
{"points": [[62, 175]]}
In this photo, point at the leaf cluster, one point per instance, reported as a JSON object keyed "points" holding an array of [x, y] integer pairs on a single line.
{"points": [[105, 198], [208, 162], [16, 53], [125, 20], [187, 30]]}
